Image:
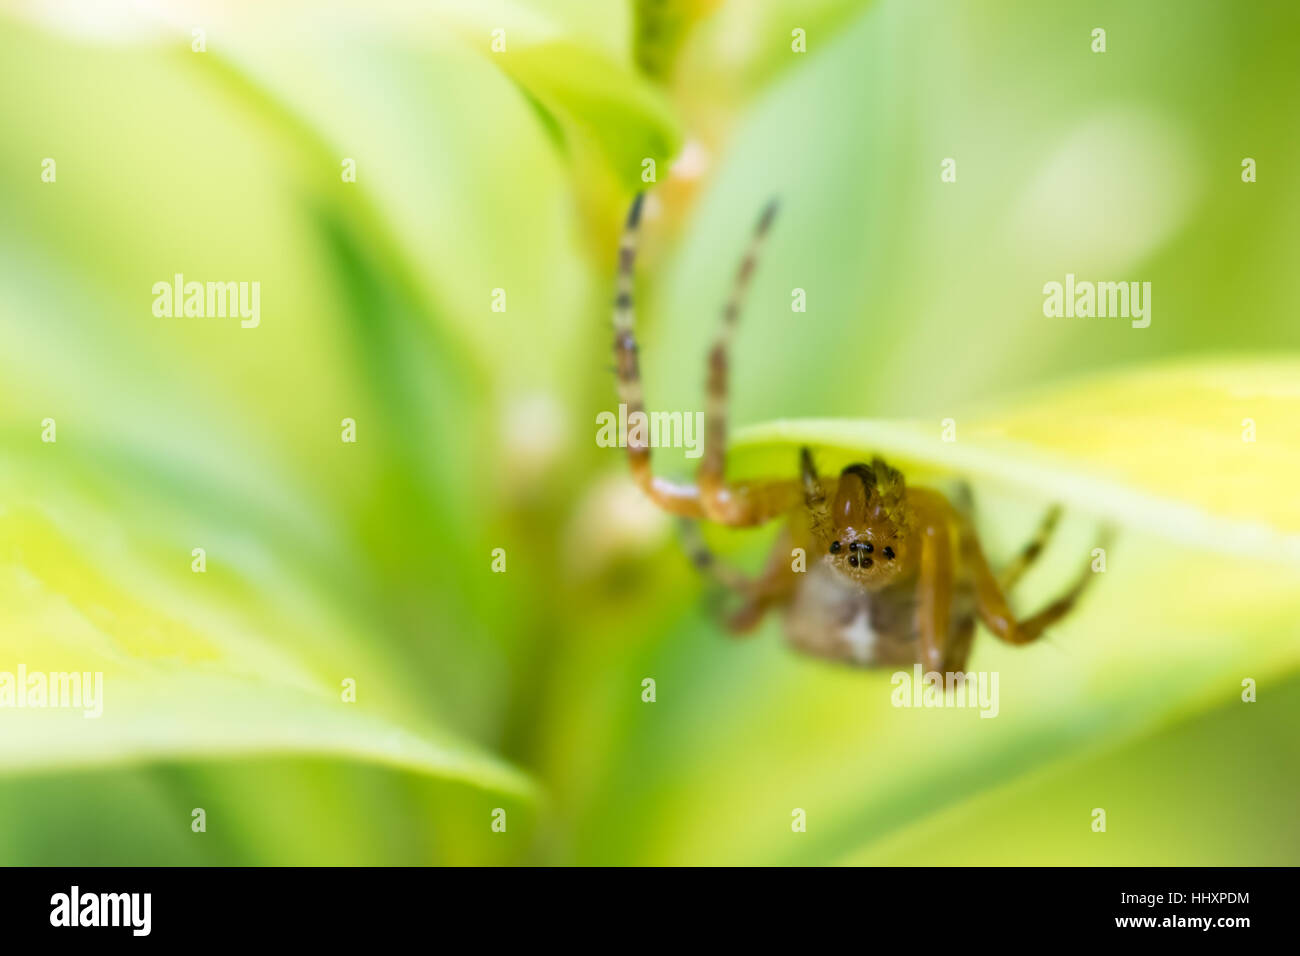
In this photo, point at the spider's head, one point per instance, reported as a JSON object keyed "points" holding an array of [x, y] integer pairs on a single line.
{"points": [[871, 541]]}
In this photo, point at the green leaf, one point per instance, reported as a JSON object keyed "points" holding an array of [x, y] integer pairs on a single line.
{"points": [[594, 104], [249, 656], [1202, 453]]}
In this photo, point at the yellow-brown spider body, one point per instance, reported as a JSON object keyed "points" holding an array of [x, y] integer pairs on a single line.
{"points": [[858, 600], [895, 575]]}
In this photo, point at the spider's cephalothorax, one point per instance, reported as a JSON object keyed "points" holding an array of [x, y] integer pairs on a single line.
{"points": [[895, 574], [872, 534]]}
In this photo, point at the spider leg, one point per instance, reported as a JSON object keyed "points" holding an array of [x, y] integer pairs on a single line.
{"points": [[963, 500], [773, 586], [991, 603], [945, 617], [820, 526], [959, 645], [1012, 573], [711, 477], [738, 504], [672, 497], [934, 585], [707, 562]]}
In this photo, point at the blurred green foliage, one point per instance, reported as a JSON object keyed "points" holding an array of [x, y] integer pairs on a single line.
{"points": [[480, 170]]}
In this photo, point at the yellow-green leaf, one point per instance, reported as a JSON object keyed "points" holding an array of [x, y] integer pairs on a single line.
{"points": [[1202, 453], [252, 647]]}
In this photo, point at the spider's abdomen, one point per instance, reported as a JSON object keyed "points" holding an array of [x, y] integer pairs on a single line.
{"points": [[830, 617]]}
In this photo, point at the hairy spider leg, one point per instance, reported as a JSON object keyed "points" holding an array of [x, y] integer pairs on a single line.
{"points": [[820, 524]]}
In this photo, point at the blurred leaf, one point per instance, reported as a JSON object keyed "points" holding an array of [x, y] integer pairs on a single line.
{"points": [[276, 809], [925, 297], [1202, 453], [596, 101], [248, 657], [1230, 762], [661, 28]]}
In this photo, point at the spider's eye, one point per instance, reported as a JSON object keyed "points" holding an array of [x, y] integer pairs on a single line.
{"points": [[888, 552], [868, 548], [854, 560], [835, 547]]}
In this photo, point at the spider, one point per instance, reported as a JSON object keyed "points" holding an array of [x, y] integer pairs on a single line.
{"points": [[896, 574]]}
